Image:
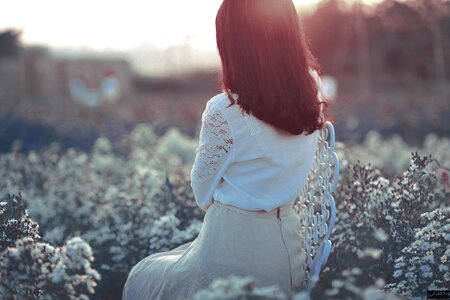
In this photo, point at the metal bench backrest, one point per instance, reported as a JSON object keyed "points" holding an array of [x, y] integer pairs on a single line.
{"points": [[316, 207]]}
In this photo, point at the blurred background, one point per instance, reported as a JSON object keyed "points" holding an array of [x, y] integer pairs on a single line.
{"points": [[72, 72], [100, 107]]}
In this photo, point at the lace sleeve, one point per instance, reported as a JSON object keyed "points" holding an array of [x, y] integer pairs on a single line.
{"points": [[213, 155]]}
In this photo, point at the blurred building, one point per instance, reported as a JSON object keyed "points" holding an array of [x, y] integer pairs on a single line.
{"points": [[37, 74]]}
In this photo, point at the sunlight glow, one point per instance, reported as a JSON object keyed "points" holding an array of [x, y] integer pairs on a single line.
{"points": [[111, 24], [122, 25]]}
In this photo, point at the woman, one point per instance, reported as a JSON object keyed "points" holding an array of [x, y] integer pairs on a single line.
{"points": [[257, 143]]}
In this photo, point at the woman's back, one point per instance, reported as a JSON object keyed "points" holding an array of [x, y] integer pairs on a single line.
{"points": [[254, 155], [250, 163]]}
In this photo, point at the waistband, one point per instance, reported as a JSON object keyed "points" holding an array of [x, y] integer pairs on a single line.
{"points": [[284, 210]]}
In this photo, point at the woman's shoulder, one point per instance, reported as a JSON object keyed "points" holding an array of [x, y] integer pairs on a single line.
{"points": [[219, 104], [216, 108], [219, 101]]}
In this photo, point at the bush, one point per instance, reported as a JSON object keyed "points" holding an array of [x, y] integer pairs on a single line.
{"points": [[137, 202], [376, 218], [15, 222], [30, 269]]}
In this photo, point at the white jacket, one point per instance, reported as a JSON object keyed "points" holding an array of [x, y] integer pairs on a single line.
{"points": [[245, 162]]}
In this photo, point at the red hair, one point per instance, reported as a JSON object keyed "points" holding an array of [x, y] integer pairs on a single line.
{"points": [[267, 62]]}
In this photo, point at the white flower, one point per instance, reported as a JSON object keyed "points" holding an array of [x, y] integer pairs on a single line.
{"points": [[426, 271], [337, 283], [447, 237], [381, 235], [425, 246], [59, 273], [398, 273]]}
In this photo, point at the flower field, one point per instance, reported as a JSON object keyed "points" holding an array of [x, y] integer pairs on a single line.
{"points": [[73, 223]]}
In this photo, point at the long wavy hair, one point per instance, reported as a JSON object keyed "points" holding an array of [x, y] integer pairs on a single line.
{"points": [[266, 60]]}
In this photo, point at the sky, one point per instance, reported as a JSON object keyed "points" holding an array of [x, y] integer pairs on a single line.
{"points": [[120, 25]]}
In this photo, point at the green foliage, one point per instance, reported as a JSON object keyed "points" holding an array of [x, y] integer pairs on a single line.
{"points": [[9, 43], [398, 38], [30, 269], [15, 223], [129, 205], [380, 222]]}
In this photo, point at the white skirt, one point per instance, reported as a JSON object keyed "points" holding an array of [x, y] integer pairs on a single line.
{"points": [[232, 241]]}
